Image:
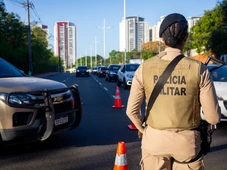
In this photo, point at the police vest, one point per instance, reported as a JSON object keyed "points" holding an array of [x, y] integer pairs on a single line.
{"points": [[177, 106]]}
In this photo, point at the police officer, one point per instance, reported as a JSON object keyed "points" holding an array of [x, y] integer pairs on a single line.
{"points": [[169, 140]]}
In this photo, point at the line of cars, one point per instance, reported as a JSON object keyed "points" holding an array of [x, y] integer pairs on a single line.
{"points": [[121, 73]]}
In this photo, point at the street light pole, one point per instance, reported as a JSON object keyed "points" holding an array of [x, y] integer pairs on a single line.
{"points": [[104, 39], [91, 56], [86, 57], [96, 50], [125, 29]]}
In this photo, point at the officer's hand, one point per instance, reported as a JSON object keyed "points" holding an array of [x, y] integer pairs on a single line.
{"points": [[140, 135]]}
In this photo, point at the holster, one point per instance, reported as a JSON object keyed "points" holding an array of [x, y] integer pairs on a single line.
{"points": [[206, 137]]}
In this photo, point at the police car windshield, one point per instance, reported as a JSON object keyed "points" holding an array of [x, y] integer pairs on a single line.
{"points": [[219, 74], [132, 67]]}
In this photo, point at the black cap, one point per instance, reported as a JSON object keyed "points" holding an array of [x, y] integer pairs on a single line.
{"points": [[169, 20]]}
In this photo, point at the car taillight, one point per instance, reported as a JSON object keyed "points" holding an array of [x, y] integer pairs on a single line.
{"points": [[73, 102]]}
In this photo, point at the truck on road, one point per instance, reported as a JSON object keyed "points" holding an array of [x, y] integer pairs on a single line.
{"points": [[33, 109]]}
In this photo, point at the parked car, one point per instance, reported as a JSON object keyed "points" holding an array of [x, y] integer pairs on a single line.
{"points": [[33, 109], [102, 71], [82, 71], [219, 76], [111, 73], [125, 74]]}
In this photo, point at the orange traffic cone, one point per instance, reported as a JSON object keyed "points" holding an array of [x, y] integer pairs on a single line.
{"points": [[117, 99], [132, 127], [121, 159]]}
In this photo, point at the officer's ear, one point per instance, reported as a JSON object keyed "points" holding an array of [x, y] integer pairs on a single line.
{"points": [[162, 40]]}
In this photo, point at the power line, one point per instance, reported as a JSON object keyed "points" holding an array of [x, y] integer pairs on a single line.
{"points": [[23, 4], [35, 11], [17, 3]]}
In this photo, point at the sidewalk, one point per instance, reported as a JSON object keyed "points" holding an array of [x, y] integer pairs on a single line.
{"points": [[44, 75]]}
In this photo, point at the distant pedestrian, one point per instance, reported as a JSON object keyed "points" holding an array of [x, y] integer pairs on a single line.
{"points": [[170, 140]]}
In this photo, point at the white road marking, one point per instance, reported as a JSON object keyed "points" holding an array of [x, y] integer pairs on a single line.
{"points": [[100, 83], [64, 80], [114, 97], [105, 88]]}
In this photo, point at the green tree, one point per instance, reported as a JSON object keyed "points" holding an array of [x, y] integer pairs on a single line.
{"points": [[12, 38], [14, 44], [209, 33]]}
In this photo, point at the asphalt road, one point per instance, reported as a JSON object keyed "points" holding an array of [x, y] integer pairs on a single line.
{"points": [[92, 146]]}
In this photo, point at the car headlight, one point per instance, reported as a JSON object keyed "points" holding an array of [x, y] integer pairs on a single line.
{"points": [[112, 72], [20, 100], [219, 98], [3, 96], [78, 70], [129, 75], [86, 70]]}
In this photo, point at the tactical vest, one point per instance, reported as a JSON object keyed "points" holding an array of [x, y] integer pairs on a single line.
{"points": [[177, 106]]}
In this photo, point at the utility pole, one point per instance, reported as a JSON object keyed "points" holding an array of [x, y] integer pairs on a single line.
{"points": [[104, 39], [91, 56], [59, 57], [29, 40], [125, 29], [86, 57], [96, 50]]}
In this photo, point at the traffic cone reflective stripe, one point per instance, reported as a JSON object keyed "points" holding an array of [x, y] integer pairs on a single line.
{"points": [[117, 99], [120, 162], [121, 159], [132, 127], [117, 91]]}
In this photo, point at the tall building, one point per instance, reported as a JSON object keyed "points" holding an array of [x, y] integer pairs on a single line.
{"points": [[192, 21], [65, 42], [134, 34], [155, 29], [156, 34]]}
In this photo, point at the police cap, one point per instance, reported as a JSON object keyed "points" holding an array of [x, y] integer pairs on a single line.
{"points": [[169, 20]]}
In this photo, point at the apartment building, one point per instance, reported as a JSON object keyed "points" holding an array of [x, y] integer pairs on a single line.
{"points": [[134, 32], [65, 42], [192, 21]]}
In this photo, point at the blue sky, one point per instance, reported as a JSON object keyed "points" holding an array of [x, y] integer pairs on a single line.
{"points": [[90, 14]]}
